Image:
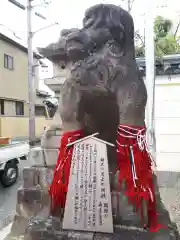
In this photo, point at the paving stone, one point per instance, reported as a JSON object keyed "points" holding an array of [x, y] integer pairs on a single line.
{"points": [[168, 179], [19, 225], [40, 228], [30, 177], [51, 156], [30, 195], [45, 229], [43, 157], [51, 138], [27, 210], [36, 157], [123, 212], [45, 178], [34, 176]]}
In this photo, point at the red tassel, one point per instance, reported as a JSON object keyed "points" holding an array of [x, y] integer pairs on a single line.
{"points": [[59, 186], [144, 189]]}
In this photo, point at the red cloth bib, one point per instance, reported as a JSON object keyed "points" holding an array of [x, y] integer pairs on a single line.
{"points": [[134, 166]]}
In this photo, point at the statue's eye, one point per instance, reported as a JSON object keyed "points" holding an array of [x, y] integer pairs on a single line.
{"points": [[88, 22]]}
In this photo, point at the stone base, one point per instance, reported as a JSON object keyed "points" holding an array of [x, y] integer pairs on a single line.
{"points": [[19, 225], [50, 228], [32, 198], [37, 176]]}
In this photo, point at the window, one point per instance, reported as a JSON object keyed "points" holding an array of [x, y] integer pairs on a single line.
{"points": [[63, 66], [51, 111], [8, 62], [57, 92], [19, 108], [1, 107], [40, 111]]}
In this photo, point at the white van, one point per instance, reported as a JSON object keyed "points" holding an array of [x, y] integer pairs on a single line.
{"points": [[10, 157]]}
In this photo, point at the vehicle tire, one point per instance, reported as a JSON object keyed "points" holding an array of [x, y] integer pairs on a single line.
{"points": [[10, 174]]}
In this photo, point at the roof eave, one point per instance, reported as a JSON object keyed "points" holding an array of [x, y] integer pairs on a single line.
{"points": [[17, 45]]}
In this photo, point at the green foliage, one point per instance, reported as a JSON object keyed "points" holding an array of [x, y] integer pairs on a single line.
{"points": [[139, 51], [166, 45], [162, 27], [165, 42]]}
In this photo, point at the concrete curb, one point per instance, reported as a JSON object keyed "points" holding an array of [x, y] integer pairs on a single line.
{"points": [[5, 231], [7, 221], [168, 179]]}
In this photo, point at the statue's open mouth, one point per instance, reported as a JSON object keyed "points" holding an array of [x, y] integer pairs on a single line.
{"points": [[75, 49], [75, 45]]}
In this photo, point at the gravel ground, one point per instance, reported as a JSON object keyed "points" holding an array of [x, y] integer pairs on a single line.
{"points": [[169, 187], [171, 200]]}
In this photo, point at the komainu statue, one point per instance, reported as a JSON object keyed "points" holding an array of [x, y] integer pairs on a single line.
{"points": [[104, 93]]}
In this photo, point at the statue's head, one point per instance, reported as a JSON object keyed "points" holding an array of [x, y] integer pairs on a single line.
{"points": [[101, 52], [102, 24]]}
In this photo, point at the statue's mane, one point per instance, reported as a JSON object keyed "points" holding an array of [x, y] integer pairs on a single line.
{"points": [[103, 49], [103, 24]]}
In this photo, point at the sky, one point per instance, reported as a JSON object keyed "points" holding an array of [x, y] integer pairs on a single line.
{"points": [[69, 13]]}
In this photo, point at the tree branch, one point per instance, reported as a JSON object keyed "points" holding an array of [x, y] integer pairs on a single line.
{"points": [[140, 38], [130, 4], [177, 29]]}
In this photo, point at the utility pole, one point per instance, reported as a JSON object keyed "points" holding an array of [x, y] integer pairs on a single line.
{"points": [[31, 65], [129, 5], [150, 76], [32, 134]]}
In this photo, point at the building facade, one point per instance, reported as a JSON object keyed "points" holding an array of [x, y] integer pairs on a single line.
{"points": [[60, 72], [14, 90]]}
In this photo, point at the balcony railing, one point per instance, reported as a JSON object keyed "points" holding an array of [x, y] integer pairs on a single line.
{"points": [[54, 80], [54, 83]]}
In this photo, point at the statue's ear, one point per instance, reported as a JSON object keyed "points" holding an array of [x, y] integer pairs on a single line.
{"points": [[118, 35]]}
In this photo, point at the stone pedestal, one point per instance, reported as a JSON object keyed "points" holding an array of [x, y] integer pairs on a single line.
{"points": [[32, 197], [127, 224], [50, 228], [32, 219], [33, 208]]}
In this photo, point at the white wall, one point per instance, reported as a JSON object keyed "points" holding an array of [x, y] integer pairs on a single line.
{"points": [[167, 115]]}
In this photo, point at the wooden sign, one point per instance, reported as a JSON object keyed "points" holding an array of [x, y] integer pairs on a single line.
{"points": [[88, 205]]}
